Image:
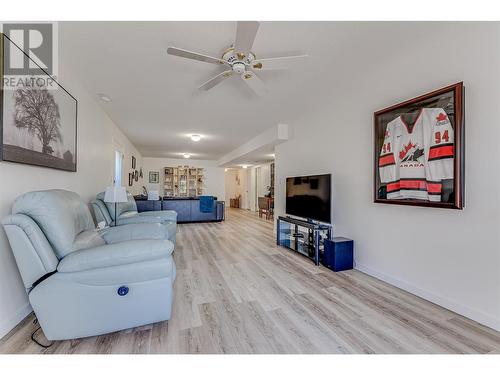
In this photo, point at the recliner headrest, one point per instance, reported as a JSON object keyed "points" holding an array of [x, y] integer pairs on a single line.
{"points": [[61, 215]]}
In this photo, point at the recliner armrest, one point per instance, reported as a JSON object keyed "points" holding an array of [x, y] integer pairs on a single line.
{"points": [[139, 219], [143, 231], [116, 255], [166, 215]]}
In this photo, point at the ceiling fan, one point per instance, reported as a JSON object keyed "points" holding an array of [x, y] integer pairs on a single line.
{"points": [[239, 60]]}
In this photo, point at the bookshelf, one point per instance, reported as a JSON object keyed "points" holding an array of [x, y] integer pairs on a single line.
{"points": [[183, 181]]}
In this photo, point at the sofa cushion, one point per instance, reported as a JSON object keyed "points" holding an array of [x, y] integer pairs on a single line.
{"points": [[61, 215], [171, 229], [101, 212], [121, 208], [87, 239], [141, 231], [166, 215], [116, 254]]}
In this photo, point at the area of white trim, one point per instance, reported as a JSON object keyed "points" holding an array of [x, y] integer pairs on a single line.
{"points": [[471, 313], [271, 137], [11, 322]]}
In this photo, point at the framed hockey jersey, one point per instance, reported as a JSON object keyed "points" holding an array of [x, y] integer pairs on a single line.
{"points": [[419, 150]]}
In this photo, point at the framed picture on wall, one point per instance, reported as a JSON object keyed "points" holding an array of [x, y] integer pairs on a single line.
{"points": [[419, 150], [130, 179], [136, 175], [154, 177], [38, 117], [133, 162]]}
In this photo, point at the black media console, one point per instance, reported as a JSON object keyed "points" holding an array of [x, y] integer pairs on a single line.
{"points": [[307, 238]]}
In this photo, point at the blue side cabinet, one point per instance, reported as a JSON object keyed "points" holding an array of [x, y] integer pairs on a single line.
{"points": [[338, 254]]}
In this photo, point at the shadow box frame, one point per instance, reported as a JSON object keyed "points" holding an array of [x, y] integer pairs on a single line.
{"points": [[458, 201]]}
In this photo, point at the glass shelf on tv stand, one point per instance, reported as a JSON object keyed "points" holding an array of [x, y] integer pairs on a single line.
{"points": [[302, 236]]}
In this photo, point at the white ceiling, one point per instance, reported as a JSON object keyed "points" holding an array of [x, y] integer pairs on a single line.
{"points": [[155, 100], [258, 156]]}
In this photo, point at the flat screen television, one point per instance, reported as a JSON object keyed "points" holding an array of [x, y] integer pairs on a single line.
{"points": [[309, 197]]}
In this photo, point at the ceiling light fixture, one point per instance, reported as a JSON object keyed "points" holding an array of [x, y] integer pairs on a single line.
{"points": [[244, 166], [196, 137], [186, 156], [104, 98]]}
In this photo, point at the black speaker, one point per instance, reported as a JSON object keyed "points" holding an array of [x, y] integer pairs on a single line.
{"points": [[338, 254]]}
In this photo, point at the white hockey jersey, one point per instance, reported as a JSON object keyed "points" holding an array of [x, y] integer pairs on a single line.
{"points": [[414, 159]]}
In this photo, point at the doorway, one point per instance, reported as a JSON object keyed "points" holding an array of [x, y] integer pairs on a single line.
{"points": [[117, 164]]}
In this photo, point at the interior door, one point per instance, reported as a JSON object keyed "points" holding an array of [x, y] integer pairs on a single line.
{"points": [[257, 174]]}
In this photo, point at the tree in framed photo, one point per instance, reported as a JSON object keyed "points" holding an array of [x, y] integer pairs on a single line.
{"points": [[30, 101], [38, 122]]}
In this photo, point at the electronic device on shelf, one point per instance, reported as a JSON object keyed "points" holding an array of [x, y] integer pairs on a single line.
{"points": [[302, 236], [309, 197]]}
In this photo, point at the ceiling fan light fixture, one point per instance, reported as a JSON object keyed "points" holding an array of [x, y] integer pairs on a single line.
{"points": [[240, 60], [196, 137]]}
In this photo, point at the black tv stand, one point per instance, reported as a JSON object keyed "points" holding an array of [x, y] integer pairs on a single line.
{"points": [[303, 236]]}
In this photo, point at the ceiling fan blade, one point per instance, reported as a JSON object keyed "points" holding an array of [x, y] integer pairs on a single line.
{"points": [[254, 82], [276, 63], [216, 80], [245, 36], [194, 56]]}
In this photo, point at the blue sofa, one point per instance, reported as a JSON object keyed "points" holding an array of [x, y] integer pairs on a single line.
{"points": [[83, 282], [187, 208]]}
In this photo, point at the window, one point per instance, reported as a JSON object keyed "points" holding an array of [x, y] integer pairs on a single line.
{"points": [[118, 168]]}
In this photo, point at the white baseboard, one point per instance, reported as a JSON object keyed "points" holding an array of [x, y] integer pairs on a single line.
{"points": [[480, 317], [8, 324]]}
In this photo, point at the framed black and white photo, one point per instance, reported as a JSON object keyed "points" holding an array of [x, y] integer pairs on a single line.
{"points": [[136, 175], [419, 150], [38, 122], [133, 162], [154, 177], [130, 179]]}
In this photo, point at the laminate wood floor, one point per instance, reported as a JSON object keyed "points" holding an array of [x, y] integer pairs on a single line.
{"points": [[236, 292]]}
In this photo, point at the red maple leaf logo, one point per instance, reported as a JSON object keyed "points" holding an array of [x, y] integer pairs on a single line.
{"points": [[441, 117], [405, 150]]}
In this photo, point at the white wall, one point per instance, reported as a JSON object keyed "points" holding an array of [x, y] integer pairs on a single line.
{"points": [[214, 175], [264, 179], [251, 182], [95, 171], [120, 141], [446, 256], [231, 186], [258, 179], [233, 189]]}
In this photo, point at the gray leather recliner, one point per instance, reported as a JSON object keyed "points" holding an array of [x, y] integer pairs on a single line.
{"points": [[126, 213], [83, 282]]}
